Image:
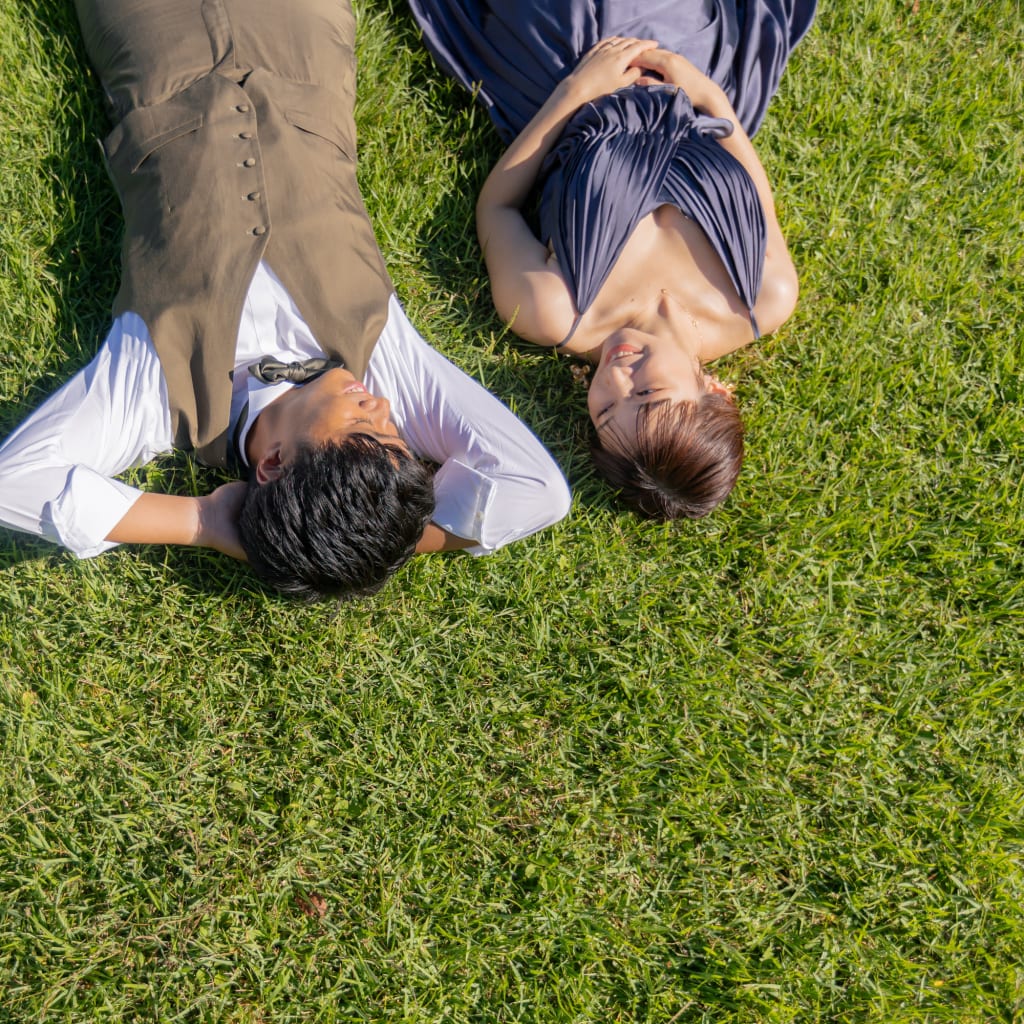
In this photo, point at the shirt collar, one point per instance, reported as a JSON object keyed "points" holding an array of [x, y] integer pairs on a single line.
{"points": [[260, 396]]}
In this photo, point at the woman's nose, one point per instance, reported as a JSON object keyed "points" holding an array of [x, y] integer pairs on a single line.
{"points": [[622, 376]]}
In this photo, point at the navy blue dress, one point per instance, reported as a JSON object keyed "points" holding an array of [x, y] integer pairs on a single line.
{"points": [[623, 155]]}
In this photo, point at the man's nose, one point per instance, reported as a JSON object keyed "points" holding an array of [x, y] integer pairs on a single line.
{"points": [[375, 404]]}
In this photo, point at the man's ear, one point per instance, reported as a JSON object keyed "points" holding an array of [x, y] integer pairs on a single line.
{"points": [[270, 466]]}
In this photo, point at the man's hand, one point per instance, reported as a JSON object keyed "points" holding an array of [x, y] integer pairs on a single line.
{"points": [[218, 519]]}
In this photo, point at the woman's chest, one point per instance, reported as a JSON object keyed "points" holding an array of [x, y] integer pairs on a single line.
{"points": [[668, 252]]}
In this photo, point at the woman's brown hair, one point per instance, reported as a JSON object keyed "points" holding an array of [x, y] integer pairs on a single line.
{"points": [[684, 461]]}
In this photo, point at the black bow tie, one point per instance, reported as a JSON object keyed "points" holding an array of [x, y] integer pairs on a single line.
{"points": [[270, 371]]}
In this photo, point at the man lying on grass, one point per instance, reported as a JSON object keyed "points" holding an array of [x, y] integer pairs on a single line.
{"points": [[256, 324]]}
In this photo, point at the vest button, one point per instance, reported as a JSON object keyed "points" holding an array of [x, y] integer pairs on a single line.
{"points": [[245, 135], [259, 230], [243, 108], [253, 196], [249, 162]]}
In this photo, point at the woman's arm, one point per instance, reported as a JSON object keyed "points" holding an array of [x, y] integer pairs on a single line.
{"points": [[530, 294], [779, 285]]}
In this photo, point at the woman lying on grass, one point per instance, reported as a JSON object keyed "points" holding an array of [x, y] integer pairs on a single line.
{"points": [[659, 247]]}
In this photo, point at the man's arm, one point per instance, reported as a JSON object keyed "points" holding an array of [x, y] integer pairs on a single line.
{"points": [[435, 539], [496, 482], [58, 469], [210, 521]]}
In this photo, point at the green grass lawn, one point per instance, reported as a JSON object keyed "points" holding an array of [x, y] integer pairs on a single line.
{"points": [[762, 767]]}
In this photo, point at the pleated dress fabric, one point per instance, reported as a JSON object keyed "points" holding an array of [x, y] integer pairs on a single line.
{"points": [[623, 155]]}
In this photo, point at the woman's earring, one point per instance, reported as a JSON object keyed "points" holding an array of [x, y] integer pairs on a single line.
{"points": [[581, 373]]}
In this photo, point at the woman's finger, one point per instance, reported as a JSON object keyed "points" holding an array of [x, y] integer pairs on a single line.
{"points": [[623, 42], [652, 59]]}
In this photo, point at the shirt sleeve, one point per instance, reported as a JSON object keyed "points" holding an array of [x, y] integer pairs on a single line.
{"points": [[57, 468], [496, 482]]}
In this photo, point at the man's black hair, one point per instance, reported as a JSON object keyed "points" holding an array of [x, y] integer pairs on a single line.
{"points": [[339, 520]]}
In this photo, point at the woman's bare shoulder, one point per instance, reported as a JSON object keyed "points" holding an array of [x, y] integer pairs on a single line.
{"points": [[777, 299], [537, 307]]}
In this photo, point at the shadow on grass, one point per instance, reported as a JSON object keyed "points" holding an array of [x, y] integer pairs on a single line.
{"points": [[16, 548], [200, 571], [84, 247]]}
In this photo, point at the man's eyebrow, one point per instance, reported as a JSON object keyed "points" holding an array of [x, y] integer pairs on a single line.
{"points": [[387, 438]]}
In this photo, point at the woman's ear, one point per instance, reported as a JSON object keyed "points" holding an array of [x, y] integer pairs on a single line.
{"points": [[713, 386], [270, 466]]}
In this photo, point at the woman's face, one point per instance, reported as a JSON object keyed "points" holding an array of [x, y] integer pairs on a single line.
{"points": [[636, 369]]}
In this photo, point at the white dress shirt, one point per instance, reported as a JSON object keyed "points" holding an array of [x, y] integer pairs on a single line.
{"points": [[496, 482]]}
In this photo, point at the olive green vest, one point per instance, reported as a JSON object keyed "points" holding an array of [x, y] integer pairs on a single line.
{"points": [[235, 142]]}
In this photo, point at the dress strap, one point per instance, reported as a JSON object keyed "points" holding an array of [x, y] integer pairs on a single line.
{"points": [[572, 330]]}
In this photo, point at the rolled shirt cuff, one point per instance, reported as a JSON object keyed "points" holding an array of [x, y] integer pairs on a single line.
{"points": [[496, 510], [86, 510], [464, 496]]}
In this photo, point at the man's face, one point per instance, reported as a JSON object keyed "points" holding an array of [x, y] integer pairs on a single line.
{"points": [[331, 408]]}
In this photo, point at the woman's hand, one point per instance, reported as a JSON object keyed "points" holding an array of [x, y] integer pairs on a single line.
{"points": [[612, 64], [675, 69], [779, 284], [529, 293]]}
